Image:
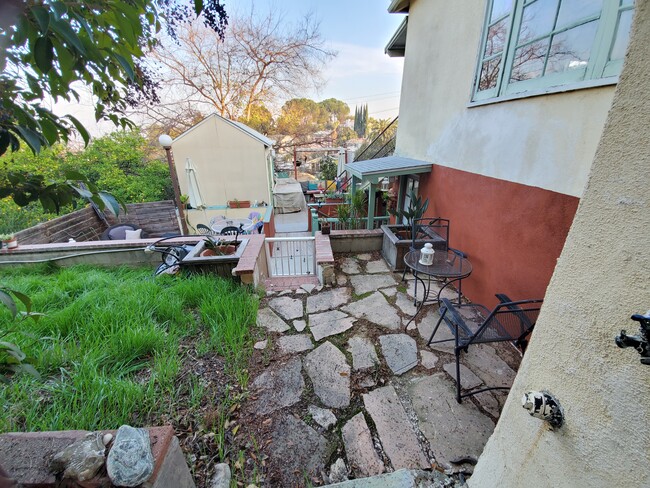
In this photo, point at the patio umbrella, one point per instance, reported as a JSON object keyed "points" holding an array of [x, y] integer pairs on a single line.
{"points": [[193, 185]]}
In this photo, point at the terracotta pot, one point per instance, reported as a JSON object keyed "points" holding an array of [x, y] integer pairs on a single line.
{"points": [[10, 244], [208, 252], [325, 229], [239, 203]]}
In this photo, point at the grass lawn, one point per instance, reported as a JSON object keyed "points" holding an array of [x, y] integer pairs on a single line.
{"points": [[118, 346]]}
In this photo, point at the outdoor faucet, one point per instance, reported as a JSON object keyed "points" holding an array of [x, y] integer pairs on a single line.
{"points": [[544, 406], [639, 342]]}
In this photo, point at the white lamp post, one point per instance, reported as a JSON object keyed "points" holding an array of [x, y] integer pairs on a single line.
{"points": [[166, 142]]}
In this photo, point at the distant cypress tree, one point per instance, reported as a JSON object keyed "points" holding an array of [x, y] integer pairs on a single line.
{"points": [[364, 120], [356, 120]]}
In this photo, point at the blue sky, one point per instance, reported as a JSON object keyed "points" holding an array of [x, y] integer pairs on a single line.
{"points": [[358, 30]]}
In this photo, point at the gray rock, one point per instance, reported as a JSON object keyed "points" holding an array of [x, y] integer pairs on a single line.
{"points": [[284, 293], [287, 308], [338, 472], [453, 430], [300, 291], [221, 478], [278, 387], [363, 353], [329, 323], [468, 379], [322, 416], [299, 325], [270, 321], [299, 449], [365, 283], [428, 359], [364, 257], [130, 460], [362, 457], [330, 375], [376, 309], [394, 428], [400, 352], [350, 266], [328, 300], [341, 280], [261, 345], [294, 344], [82, 459], [378, 266]]}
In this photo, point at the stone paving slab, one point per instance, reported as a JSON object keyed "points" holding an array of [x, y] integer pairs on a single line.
{"points": [[329, 374], [428, 359], [322, 416], [448, 292], [484, 361], [350, 266], [364, 257], [329, 323], [394, 428], [378, 266], [294, 344], [405, 304], [400, 352], [376, 309], [288, 308], [365, 283], [468, 380], [363, 353], [299, 325], [402, 478], [454, 430], [389, 292], [362, 457], [299, 449], [328, 300], [425, 328], [270, 321], [278, 387]]}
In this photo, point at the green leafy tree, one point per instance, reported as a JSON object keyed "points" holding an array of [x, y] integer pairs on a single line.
{"points": [[259, 118], [51, 46], [328, 168], [301, 117], [338, 112]]}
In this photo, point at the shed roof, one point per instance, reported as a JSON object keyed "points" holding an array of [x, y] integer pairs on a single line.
{"points": [[374, 169], [243, 127]]}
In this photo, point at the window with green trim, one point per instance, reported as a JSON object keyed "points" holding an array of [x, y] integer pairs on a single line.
{"points": [[535, 45]]}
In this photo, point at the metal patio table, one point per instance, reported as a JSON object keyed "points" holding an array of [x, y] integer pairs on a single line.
{"points": [[450, 266]]}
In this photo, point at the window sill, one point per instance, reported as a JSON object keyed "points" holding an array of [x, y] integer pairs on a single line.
{"points": [[582, 85]]}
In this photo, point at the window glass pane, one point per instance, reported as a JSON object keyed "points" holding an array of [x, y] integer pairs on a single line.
{"points": [[529, 61], [500, 8], [489, 74], [622, 35], [571, 11], [571, 49], [496, 38], [538, 20]]}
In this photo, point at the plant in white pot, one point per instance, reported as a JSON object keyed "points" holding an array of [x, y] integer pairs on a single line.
{"points": [[9, 240]]}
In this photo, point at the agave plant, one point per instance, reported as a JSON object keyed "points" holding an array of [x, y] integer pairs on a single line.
{"points": [[416, 209]]}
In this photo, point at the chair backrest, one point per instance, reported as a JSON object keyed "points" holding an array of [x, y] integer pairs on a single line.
{"points": [[509, 321], [203, 229], [229, 231], [433, 229], [117, 232]]}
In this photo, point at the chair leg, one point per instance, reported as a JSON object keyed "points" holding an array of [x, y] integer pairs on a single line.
{"points": [[458, 397]]}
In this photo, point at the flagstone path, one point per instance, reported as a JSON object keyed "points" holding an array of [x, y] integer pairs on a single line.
{"points": [[349, 393]]}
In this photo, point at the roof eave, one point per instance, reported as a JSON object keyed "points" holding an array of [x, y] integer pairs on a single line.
{"points": [[396, 47], [399, 6]]}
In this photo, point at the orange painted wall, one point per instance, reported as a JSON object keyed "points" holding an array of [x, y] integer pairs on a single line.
{"points": [[511, 233]]}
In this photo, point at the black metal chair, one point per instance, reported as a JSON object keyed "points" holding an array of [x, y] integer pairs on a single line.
{"points": [[230, 231], [509, 321], [203, 229], [434, 230]]}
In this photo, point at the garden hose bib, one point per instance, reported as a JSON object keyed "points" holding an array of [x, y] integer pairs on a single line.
{"points": [[545, 406]]}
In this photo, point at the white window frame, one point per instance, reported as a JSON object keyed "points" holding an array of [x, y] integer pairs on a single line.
{"points": [[599, 71]]}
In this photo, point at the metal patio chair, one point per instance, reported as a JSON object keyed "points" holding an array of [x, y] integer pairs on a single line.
{"points": [[509, 321], [230, 231], [432, 229], [203, 229]]}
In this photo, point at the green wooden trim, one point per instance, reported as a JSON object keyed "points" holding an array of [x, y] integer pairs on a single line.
{"points": [[599, 65], [372, 192]]}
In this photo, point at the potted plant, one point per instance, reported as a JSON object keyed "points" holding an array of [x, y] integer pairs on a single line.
{"points": [[185, 201], [9, 240], [216, 247], [239, 203], [325, 226], [397, 239]]}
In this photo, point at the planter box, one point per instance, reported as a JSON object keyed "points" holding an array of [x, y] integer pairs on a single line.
{"points": [[396, 244], [239, 203], [219, 265]]}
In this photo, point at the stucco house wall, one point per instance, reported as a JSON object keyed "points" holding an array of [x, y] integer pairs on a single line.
{"points": [[230, 163], [508, 175], [601, 279]]}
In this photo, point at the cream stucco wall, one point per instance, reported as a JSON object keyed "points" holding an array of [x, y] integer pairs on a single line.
{"points": [[545, 141], [230, 164], [602, 278]]}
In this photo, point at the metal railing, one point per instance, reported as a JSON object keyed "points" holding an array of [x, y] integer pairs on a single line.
{"points": [[291, 256], [350, 224]]}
